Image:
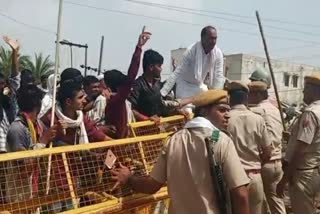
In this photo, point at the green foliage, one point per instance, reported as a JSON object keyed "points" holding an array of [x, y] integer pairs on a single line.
{"points": [[5, 61], [39, 66]]}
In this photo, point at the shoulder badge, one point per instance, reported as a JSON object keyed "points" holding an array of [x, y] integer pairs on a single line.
{"points": [[215, 135]]}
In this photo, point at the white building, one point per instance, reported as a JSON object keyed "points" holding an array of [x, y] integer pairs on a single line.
{"points": [[289, 76]]}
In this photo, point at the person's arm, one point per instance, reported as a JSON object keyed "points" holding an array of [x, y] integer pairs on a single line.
{"points": [[235, 177], [240, 201], [139, 116], [170, 82], [147, 184], [265, 143], [218, 75], [14, 45], [307, 127], [94, 133], [124, 91], [14, 77]]}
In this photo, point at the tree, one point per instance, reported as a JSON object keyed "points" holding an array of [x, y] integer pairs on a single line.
{"points": [[40, 66], [5, 61]]}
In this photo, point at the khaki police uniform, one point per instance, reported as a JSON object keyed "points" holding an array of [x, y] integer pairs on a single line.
{"points": [[306, 180], [184, 165], [249, 133], [271, 171]]}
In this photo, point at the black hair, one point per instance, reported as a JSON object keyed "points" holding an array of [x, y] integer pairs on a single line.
{"points": [[238, 97], [151, 57], [68, 89], [198, 111], [114, 78], [71, 73], [205, 30], [88, 80], [29, 98], [27, 78]]}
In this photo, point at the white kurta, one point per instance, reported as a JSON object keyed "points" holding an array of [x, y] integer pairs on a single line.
{"points": [[187, 77]]}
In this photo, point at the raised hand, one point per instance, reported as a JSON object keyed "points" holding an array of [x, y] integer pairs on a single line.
{"points": [[13, 43], [143, 38]]}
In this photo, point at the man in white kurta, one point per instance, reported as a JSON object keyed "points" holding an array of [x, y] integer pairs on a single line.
{"points": [[201, 68]]}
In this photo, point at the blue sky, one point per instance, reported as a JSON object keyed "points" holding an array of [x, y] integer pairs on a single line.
{"points": [[234, 19]]}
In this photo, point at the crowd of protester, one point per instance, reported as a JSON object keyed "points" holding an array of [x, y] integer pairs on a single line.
{"points": [[237, 118], [87, 109]]}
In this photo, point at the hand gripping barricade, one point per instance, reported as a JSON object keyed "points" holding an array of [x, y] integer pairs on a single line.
{"points": [[81, 182]]}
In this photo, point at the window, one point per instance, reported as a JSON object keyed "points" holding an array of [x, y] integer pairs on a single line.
{"points": [[295, 79], [286, 79]]}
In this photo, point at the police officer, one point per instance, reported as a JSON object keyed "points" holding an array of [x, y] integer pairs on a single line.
{"points": [[271, 171], [261, 75], [249, 133], [301, 163], [184, 166]]}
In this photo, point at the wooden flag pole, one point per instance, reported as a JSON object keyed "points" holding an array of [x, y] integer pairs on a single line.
{"points": [[271, 70]]}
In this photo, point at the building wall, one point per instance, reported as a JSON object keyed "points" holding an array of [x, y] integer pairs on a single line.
{"points": [[177, 54], [233, 64], [290, 91]]}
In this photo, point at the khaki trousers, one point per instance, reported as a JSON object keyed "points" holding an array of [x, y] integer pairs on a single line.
{"points": [[256, 193], [271, 175], [303, 190]]}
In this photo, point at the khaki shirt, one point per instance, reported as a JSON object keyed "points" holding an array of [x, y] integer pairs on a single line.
{"points": [[184, 165], [306, 129], [272, 118], [249, 134]]}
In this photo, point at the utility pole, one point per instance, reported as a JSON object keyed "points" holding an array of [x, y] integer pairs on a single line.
{"points": [[101, 55], [71, 55], [71, 44], [86, 60]]}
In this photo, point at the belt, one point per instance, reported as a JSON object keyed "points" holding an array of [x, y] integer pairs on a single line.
{"points": [[305, 169], [253, 171], [273, 161]]}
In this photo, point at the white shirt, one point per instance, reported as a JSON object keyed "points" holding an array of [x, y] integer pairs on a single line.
{"points": [[97, 113], [185, 74]]}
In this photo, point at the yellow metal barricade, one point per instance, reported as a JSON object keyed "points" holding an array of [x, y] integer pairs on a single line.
{"points": [[167, 125], [80, 181]]}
